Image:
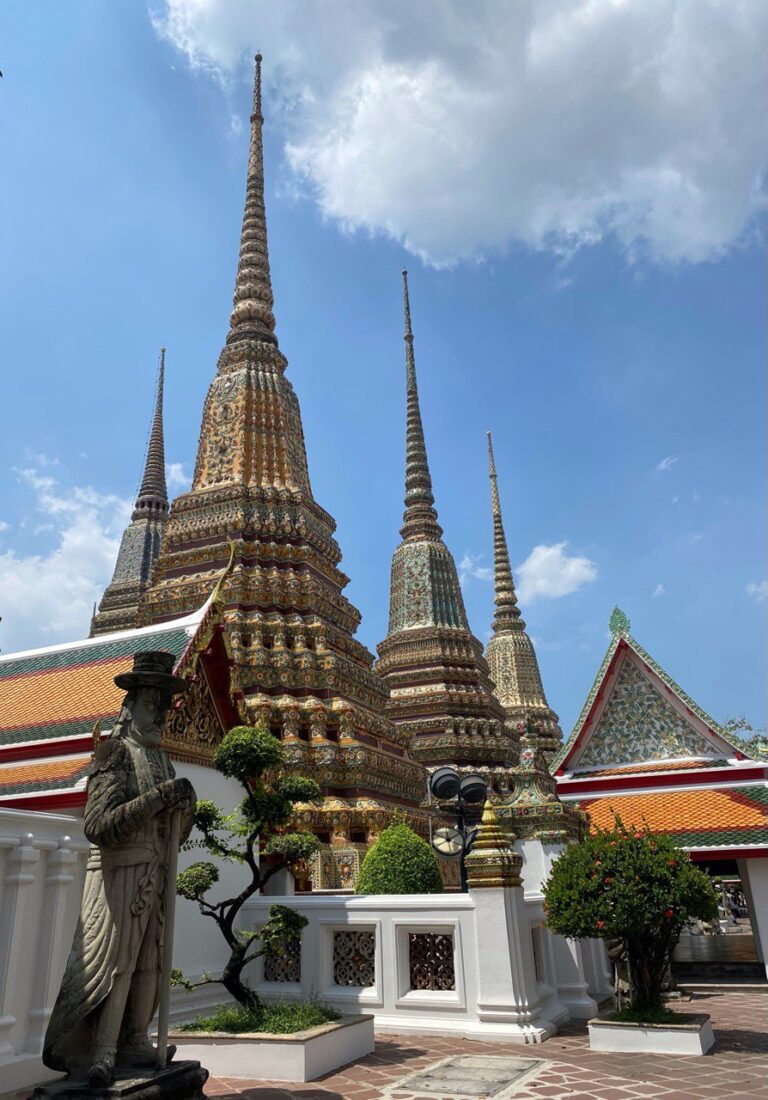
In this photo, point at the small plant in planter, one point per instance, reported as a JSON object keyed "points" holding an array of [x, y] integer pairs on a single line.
{"points": [[253, 757], [400, 862], [635, 887]]}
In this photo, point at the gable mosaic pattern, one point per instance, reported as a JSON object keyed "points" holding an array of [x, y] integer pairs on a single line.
{"points": [[639, 724]]}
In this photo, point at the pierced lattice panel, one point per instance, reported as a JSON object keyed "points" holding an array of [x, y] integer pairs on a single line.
{"points": [[284, 968], [354, 958], [430, 957]]}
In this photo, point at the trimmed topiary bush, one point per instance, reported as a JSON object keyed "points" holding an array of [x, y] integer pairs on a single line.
{"points": [[633, 886], [400, 862], [253, 757]]}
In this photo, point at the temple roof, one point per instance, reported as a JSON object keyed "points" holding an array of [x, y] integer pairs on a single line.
{"points": [[56, 700], [636, 715], [62, 690], [719, 817]]}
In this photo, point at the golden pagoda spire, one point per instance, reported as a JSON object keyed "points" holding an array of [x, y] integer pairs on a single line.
{"points": [[507, 613], [253, 301], [420, 518], [510, 653]]}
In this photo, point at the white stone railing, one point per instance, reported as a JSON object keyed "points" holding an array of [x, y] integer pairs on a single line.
{"points": [[42, 867], [493, 968]]}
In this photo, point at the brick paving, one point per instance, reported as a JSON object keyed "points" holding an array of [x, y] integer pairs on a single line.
{"points": [[735, 1069]]}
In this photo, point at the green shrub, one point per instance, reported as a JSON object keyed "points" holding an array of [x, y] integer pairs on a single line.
{"points": [[283, 1018], [400, 862], [634, 886]]}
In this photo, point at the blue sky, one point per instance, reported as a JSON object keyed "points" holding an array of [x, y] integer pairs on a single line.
{"points": [[586, 280]]}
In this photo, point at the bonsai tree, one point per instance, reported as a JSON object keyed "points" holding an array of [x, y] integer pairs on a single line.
{"points": [[254, 757], [633, 886], [400, 862]]}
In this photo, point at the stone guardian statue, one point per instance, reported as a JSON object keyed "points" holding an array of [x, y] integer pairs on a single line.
{"points": [[111, 986]]}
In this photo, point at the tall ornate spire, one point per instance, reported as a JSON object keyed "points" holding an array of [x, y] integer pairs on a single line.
{"points": [[251, 523], [153, 494], [440, 690], [140, 544], [420, 518], [252, 303], [507, 613], [510, 653]]}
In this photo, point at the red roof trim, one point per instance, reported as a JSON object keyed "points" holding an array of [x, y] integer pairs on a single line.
{"points": [[55, 800], [621, 646], [63, 746], [728, 853], [577, 788]]}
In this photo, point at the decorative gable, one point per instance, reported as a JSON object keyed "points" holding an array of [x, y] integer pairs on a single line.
{"points": [[639, 724], [635, 715]]}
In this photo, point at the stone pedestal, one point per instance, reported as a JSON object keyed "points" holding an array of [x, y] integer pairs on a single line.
{"points": [[179, 1081]]}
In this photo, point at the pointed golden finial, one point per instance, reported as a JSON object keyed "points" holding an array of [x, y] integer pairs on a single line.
{"points": [[506, 613], [252, 316], [257, 89], [493, 862]]}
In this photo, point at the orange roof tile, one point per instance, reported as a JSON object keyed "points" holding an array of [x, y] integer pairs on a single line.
{"points": [[53, 695], [44, 771], [678, 811]]}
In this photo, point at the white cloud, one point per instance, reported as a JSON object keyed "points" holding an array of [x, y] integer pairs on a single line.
{"points": [[4, 525], [48, 597], [39, 458], [659, 590], [175, 476], [758, 590], [549, 572], [469, 566], [461, 129], [665, 464]]}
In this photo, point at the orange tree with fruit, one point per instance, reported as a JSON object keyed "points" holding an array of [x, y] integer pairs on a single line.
{"points": [[631, 885]]}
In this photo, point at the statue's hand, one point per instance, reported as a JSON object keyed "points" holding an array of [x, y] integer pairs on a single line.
{"points": [[177, 794]]}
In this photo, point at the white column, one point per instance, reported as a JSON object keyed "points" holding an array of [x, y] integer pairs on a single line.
{"points": [[754, 879], [571, 979], [598, 970], [53, 942], [14, 957], [508, 1002]]}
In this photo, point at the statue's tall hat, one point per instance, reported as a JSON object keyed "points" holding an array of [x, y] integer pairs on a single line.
{"points": [[152, 668]]}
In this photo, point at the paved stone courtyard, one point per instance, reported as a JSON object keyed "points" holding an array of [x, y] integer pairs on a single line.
{"points": [[737, 1066]]}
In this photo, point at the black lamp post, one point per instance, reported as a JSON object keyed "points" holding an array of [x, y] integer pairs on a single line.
{"points": [[447, 785]]}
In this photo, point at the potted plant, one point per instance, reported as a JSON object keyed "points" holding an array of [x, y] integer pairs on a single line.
{"points": [[294, 1041], [634, 888]]}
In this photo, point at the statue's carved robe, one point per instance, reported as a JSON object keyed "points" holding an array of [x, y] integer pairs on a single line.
{"points": [[120, 929]]}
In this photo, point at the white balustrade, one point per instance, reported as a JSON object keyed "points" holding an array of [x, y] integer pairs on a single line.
{"points": [[478, 964]]}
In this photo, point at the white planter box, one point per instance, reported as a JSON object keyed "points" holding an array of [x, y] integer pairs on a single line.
{"points": [[693, 1035], [302, 1056]]}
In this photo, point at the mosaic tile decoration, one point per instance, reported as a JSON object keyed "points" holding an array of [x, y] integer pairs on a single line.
{"points": [[638, 724]]}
